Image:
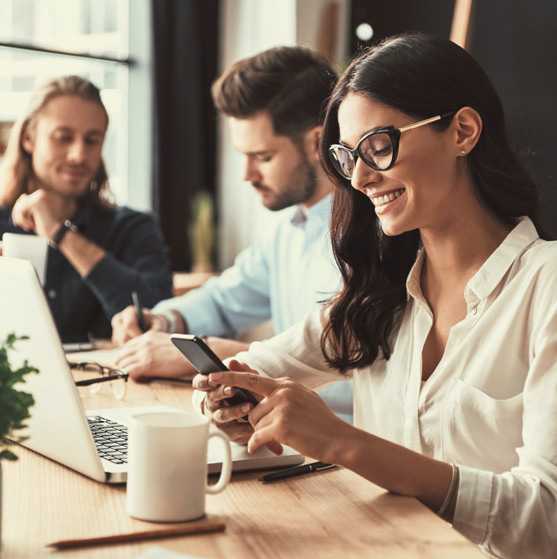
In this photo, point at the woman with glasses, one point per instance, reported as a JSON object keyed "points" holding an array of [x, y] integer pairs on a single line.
{"points": [[447, 320], [54, 184]]}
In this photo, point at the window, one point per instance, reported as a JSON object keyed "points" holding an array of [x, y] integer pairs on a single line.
{"points": [[40, 40]]}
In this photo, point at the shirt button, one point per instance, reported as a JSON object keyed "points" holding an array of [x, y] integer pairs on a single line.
{"points": [[475, 310], [52, 294]]}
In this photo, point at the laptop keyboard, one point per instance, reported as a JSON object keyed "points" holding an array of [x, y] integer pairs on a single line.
{"points": [[111, 439]]}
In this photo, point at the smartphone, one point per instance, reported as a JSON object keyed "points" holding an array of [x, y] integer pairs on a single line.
{"points": [[204, 361]]}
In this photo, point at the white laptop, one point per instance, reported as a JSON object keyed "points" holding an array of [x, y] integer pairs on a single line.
{"points": [[59, 428]]}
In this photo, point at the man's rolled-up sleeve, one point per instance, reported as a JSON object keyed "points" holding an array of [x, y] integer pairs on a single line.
{"points": [[231, 303]]}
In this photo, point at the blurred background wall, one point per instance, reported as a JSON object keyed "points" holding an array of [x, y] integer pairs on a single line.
{"points": [[155, 60]]}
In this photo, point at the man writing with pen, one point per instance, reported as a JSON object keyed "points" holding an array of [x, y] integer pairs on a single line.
{"points": [[274, 106], [54, 185]]}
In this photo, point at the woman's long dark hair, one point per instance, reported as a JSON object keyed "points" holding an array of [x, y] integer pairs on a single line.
{"points": [[420, 76]]}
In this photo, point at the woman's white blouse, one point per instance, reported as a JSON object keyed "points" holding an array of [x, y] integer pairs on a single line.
{"points": [[490, 406]]}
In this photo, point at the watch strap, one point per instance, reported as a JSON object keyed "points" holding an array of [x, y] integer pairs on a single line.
{"points": [[66, 226]]}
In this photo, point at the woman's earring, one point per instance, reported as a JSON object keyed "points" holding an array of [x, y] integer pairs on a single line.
{"points": [[93, 186]]}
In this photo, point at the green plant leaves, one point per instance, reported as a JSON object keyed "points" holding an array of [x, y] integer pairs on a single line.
{"points": [[14, 404], [7, 455]]}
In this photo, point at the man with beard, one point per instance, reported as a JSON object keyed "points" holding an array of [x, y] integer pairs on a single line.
{"points": [[54, 185], [274, 103]]}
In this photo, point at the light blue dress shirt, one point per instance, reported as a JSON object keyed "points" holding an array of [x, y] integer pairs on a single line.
{"points": [[281, 277]]}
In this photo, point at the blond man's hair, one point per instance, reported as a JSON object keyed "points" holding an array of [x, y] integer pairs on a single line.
{"points": [[16, 173]]}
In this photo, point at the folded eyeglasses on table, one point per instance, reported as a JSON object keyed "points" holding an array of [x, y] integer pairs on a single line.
{"points": [[117, 378]]}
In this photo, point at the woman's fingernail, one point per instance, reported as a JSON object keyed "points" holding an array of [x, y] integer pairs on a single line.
{"points": [[228, 390], [246, 408]]}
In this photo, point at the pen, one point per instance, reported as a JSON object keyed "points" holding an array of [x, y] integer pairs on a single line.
{"points": [[296, 471], [196, 527], [138, 311]]}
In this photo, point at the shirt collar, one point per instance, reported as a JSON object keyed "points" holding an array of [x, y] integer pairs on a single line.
{"points": [[486, 279], [413, 281], [321, 210]]}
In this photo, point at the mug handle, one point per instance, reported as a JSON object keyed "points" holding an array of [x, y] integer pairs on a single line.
{"points": [[226, 465]]}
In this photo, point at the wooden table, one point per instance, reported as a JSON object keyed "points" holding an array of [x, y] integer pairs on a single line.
{"points": [[325, 515]]}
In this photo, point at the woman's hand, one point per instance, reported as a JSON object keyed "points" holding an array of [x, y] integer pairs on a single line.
{"points": [[229, 419], [288, 413], [215, 406]]}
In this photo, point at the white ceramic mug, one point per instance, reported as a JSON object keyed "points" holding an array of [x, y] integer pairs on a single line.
{"points": [[167, 466]]}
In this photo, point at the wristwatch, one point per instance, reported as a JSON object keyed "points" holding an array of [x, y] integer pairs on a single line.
{"points": [[62, 230]]}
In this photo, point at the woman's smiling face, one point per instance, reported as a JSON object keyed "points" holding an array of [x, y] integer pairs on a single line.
{"points": [[417, 192]]}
